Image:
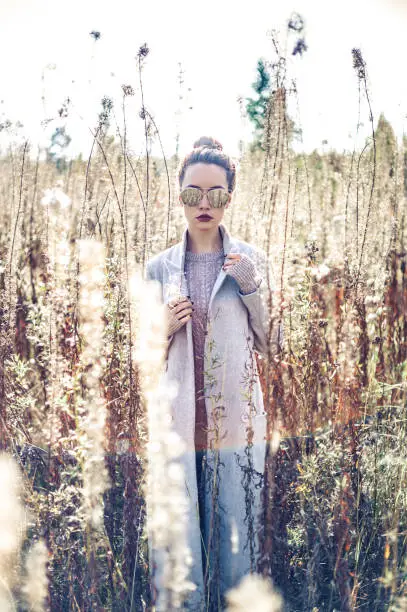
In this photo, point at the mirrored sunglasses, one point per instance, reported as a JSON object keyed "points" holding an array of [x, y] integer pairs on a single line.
{"points": [[192, 196]]}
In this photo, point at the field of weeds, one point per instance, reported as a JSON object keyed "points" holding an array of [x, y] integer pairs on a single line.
{"points": [[81, 345]]}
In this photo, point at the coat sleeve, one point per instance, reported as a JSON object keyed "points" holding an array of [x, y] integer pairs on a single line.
{"points": [[258, 306], [151, 274]]}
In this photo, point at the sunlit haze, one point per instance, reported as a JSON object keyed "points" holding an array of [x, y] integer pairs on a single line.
{"points": [[217, 45]]}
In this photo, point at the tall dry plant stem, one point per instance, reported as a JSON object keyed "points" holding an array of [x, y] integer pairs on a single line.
{"points": [[123, 223], [11, 279], [32, 225], [143, 115], [132, 399], [358, 182], [144, 204], [305, 162], [352, 162], [58, 207], [168, 180], [360, 65]]}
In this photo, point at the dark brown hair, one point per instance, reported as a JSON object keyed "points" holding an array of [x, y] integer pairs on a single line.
{"points": [[208, 150]]}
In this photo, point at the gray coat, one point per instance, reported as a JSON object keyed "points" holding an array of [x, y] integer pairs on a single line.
{"points": [[237, 327]]}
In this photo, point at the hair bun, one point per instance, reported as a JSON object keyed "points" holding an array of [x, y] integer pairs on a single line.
{"points": [[208, 142]]}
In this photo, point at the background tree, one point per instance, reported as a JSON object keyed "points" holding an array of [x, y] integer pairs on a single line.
{"points": [[256, 107], [271, 81], [56, 152]]}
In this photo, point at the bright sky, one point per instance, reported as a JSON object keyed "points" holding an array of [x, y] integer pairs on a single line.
{"points": [[217, 44]]}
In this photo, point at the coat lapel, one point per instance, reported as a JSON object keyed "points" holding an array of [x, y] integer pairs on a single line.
{"points": [[174, 280]]}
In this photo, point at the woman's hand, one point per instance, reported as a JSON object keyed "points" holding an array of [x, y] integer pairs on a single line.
{"points": [[179, 312], [231, 259], [243, 269], [245, 274]]}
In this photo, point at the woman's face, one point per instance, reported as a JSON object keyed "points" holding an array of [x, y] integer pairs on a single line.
{"points": [[204, 176]]}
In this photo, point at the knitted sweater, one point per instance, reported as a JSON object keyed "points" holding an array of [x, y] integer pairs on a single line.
{"points": [[201, 270]]}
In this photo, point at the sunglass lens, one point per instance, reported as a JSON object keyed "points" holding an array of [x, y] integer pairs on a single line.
{"points": [[218, 197], [191, 196]]}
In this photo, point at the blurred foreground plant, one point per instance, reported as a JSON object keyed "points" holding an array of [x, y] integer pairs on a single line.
{"points": [[165, 491]]}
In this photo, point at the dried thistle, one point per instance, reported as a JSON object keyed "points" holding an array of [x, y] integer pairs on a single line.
{"points": [[358, 63], [128, 90], [296, 23], [143, 51], [300, 47], [107, 105]]}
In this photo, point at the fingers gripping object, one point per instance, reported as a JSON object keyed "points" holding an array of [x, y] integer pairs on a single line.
{"points": [[179, 312], [243, 269]]}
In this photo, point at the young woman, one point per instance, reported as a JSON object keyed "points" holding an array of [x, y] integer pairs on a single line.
{"points": [[217, 289]]}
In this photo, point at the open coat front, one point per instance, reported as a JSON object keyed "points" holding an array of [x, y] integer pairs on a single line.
{"points": [[237, 327]]}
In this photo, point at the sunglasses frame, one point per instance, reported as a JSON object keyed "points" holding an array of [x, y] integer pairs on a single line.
{"points": [[203, 191]]}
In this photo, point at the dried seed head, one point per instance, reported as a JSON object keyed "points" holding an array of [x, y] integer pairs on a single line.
{"points": [[143, 51], [358, 63]]}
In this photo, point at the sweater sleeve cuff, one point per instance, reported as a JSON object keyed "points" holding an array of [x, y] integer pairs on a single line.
{"points": [[247, 290], [245, 274]]}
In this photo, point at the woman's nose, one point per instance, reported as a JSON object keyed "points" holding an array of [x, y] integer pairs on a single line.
{"points": [[205, 202]]}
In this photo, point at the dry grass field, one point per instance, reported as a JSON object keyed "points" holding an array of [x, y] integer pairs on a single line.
{"points": [[81, 344]]}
